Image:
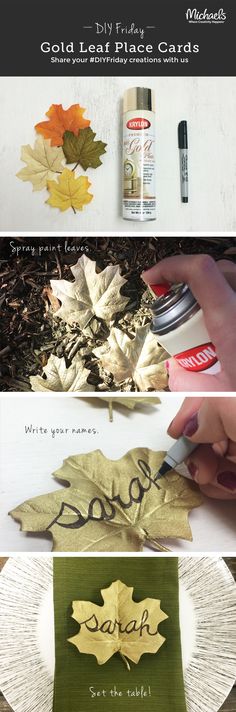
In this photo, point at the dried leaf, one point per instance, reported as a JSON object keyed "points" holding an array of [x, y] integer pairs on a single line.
{"points": [[92, 294], [50, 301], [43, 162], [69, 191], [82, 149], [112, 505], [119, 625], [60, 378], [141, 359], [61, 120]]}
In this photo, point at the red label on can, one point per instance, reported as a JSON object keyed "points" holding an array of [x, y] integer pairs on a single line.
{"points": [[138, 124], [198, 358]]}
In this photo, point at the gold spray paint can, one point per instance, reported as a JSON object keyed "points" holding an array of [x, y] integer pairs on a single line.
{"points": [[139, 180]]}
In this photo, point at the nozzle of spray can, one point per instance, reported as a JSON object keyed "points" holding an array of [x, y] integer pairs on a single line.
{"points": [[178, 323], [160, 289]]}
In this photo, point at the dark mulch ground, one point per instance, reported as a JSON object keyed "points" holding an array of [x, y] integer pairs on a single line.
{"points": [[30, 332]]}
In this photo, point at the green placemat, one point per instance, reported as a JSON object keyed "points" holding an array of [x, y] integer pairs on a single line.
{"points": [[78, 677]]}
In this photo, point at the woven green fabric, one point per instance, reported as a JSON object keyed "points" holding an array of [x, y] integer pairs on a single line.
{"points": [[159, 674]]}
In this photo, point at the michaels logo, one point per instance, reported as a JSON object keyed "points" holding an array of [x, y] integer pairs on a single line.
{"points": [[205, 16]]}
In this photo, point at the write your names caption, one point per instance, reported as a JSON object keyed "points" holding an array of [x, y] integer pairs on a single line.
{"points": [[53, 432]]}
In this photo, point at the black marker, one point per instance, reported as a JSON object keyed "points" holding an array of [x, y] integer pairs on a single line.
{"points": [[183, 158], [181, 449]]}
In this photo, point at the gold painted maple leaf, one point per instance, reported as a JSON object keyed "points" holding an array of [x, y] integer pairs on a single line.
{"points": [[120, 625], [93, 294], [126, 402], [112, 505], [57, 377], [140, 358]]}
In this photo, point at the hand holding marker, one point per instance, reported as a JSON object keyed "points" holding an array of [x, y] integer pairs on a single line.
{"points": [[209, 426], [212, 286], [181, 450]]}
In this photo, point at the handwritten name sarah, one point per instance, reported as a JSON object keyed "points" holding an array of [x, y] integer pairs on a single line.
{"points": [[109, 627], [103, 509]]}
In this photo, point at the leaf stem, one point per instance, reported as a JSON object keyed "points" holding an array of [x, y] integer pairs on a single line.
{"points": [[110, 408], [76, 166], [73, 209], [156, 545], [125, 661]]}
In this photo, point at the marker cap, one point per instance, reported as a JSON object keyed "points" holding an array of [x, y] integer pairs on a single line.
{"points": [[183, 134]]}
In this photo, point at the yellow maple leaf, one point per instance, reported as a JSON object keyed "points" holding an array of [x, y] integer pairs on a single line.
{"points": [[69, 191], [118, 626]]}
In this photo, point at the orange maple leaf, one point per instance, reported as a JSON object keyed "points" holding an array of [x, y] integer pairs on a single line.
{"points": [[61, 120]]}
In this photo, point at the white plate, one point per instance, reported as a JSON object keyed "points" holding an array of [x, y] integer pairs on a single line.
{"points": [[207, 621]]}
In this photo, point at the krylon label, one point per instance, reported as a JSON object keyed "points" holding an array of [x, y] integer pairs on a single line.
{"points": [[198, 358], [138, 124]]}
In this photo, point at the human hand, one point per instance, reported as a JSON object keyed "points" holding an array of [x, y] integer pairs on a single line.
{"points": [[213, 284], [212, 423]]}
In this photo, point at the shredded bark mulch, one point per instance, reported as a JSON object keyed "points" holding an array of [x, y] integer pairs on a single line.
{"points": [[29, 330]]}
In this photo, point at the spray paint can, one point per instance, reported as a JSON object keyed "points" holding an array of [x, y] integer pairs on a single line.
{"points": [[139, 181], [178, 323]]}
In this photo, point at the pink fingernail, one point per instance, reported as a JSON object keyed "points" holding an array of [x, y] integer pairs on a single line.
{"points": [[193, 469], [191, 426], [227, 479]]}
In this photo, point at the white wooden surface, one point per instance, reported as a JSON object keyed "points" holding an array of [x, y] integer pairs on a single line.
{"points": [[209, 105], [27, 462]]}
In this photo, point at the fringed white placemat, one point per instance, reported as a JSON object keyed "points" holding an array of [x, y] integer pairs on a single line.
{"points": [[25, 679], [211, 671], [26, 676]]}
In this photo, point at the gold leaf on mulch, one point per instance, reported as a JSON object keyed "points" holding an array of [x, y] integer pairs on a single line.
{"points": [[140, 359], [92, 294], [61, 378]]}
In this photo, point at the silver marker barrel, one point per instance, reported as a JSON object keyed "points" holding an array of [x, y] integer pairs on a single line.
{"points": [[183, 158], [181, 449]]}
